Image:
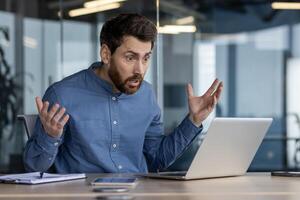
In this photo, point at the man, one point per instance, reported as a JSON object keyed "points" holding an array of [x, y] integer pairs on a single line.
{"points": [[106, 118]]}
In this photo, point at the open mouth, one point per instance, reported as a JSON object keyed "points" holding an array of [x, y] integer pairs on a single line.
{"points": [[133, 83]]}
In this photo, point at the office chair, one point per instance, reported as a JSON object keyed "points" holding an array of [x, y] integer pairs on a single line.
{"points": [[29, 122]]}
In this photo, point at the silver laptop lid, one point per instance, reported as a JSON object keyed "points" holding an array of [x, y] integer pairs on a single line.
{"points": [[228, 147]]}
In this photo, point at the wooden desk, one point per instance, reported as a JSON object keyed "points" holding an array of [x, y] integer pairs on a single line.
{"points": [[250, 186]]}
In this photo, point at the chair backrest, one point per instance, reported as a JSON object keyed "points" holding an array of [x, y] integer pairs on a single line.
{"points": [[29, 122]]}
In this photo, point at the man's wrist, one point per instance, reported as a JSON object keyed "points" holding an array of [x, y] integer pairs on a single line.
{"points": [[52, 135], [194, 121]]}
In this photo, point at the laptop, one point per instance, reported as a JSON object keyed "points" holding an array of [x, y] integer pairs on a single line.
{"points": [[227, 150]]}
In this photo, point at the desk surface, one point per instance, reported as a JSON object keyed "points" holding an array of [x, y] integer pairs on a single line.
{"points": [[250, 186]]}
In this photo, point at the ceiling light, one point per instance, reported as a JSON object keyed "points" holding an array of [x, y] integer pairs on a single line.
{"points": [[175, 29], [165, 31], [96, 3], [285, 5], [185, 20], [30, 42], [85, 11]]}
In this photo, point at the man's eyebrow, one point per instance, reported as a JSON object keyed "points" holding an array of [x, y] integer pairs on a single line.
{"points": [[149, 53], [129, 51], [135, 53]]}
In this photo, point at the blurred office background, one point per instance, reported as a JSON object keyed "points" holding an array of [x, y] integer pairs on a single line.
{"points": [[252, 47]]}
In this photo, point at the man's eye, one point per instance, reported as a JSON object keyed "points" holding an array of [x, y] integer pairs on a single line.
{"points": [[146, 59], [129, 58]]}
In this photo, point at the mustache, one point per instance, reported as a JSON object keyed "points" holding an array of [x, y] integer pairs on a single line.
{"points": [[135, 77]]}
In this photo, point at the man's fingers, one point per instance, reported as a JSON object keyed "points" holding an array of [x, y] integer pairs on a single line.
{"points": [[219, 91], [44, 110], [215, 100], [212, 104], [190, 90], [39, 104], [63, 121], [212, 88], [52, 112], [57, 117]]}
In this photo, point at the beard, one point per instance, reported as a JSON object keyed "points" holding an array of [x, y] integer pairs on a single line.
{"points": [[130, 85]]}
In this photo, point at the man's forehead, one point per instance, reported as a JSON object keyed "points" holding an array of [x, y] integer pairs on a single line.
{"points": [[134, 45]]}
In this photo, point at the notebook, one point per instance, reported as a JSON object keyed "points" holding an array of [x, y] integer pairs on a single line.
{"points": [[34, 178]]}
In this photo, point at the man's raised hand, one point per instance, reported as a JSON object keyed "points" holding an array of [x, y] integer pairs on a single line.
{"points": [[201, 106], [53, 120]]}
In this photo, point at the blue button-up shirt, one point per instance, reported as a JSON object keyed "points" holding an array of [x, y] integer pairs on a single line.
{"points": [[107, 131]]}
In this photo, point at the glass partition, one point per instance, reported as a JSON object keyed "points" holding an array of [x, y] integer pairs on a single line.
{"points": [[29, 33], [252, 48]]}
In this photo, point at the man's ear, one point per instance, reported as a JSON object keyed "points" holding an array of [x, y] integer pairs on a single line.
{"points": [[105, 54]]}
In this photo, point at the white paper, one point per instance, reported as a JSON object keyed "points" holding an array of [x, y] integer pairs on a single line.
{"points": [[34, 178]]}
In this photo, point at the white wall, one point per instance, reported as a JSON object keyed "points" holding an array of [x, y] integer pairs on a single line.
{"points": [[52, 53], [79, 46], [33, 63]]}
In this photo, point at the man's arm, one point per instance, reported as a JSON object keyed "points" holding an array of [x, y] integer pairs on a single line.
{"points": [[41, 149], [160, 150]]}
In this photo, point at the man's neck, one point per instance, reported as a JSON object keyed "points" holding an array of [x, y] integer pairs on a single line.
{"points": [[102, 72]]}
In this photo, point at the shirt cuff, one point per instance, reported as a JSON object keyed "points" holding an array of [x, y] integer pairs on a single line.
{"points": [[48, 143], [189, 129]]}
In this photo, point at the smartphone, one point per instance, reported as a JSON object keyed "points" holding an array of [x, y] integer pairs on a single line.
{"points": [[285, 173], [111, 189], [118, 197], [114, 182]]}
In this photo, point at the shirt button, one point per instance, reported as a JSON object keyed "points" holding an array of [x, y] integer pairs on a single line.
{"points": [[113, 98], [115, 122], [56, 143], [120, 167], [49, 158], [114, 145]]}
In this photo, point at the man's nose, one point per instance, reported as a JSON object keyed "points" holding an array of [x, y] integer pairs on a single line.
{"points": [[139, 67]]}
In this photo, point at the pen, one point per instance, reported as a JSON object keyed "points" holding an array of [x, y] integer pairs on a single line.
{"points": [[41, 174]]}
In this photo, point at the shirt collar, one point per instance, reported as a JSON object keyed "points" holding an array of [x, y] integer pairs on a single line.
{"points": [[106, 85], [103, 83]]}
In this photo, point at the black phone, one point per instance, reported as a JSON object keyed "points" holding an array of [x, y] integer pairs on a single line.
{"points": [[285, 173], [110, 189], [114, 181], [115, 197]]}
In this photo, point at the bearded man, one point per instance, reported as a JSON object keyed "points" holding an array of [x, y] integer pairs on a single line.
{"points": [[105, 119]]}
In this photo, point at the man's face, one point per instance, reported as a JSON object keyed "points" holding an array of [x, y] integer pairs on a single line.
{"points": [[129, 63]]}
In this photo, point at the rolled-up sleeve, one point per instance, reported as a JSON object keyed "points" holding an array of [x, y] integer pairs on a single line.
{"points": [[161, 150], [41, 149]]}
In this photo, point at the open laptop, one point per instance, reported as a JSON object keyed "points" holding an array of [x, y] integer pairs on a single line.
{"points": [[228, 148]]}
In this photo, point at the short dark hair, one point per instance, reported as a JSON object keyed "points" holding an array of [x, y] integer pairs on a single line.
{"points": [[131, 24]]}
